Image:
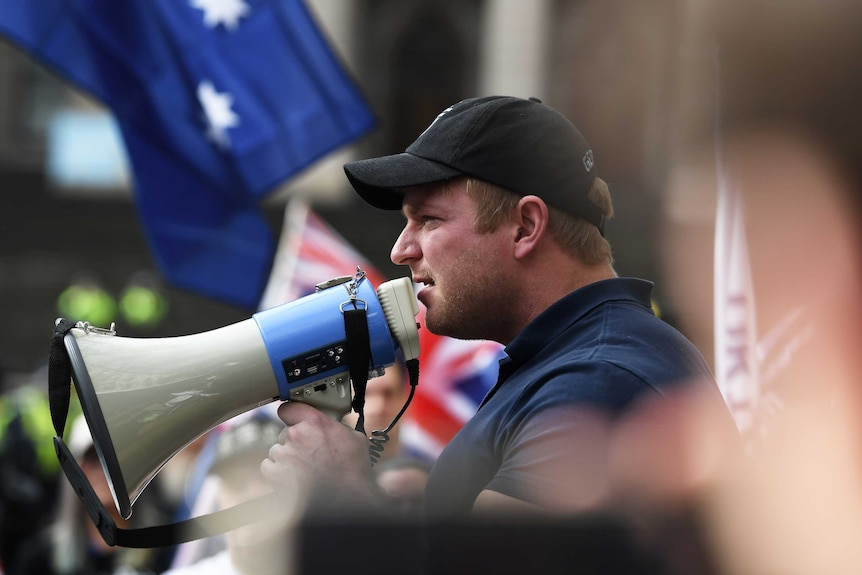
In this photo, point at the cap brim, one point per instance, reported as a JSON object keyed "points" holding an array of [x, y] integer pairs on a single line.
{"points": [[378, 181]]}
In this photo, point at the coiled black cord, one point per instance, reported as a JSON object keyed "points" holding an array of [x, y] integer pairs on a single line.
{"points": [[379, 438]]}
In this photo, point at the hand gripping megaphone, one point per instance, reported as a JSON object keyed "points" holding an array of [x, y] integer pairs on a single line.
{"points": [[145, 399]]}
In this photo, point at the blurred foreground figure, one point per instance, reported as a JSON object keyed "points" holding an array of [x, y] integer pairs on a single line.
{"points": [[403, 480], [792, 136]]}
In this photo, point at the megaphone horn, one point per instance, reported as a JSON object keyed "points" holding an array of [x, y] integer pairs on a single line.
{"points": [[145, 399]]}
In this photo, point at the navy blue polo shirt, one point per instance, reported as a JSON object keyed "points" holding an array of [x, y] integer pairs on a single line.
{"points": [[598, 348]]}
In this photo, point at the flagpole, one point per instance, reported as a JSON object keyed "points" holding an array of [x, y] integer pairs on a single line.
{"points": [[280, 287]]}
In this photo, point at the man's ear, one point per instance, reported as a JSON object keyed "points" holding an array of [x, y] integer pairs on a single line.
{"points": [[531, 224]]}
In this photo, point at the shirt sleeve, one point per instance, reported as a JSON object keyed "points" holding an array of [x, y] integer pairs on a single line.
{"points": [[557, 458]]}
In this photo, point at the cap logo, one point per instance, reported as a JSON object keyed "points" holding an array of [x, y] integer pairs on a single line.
{"points": [[440, 115], [588, 160]]}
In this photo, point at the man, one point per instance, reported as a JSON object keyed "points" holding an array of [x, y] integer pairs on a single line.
{"points": [[505, 229]]}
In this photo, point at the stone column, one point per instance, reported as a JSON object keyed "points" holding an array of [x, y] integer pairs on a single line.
{"points": [[514, 44]]}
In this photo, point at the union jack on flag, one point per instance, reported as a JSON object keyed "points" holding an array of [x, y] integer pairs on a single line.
{"points": [[310, 252], [455, 375]]}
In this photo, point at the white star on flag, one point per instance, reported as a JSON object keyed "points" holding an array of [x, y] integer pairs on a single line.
{"points": [[226, 12], [218, 114]]}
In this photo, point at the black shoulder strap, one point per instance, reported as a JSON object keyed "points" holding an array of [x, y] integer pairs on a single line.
{"points": [[159, 535], [359, 356], [59, 376]]}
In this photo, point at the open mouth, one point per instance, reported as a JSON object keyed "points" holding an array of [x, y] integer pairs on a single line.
{"points": [[426, 282]]}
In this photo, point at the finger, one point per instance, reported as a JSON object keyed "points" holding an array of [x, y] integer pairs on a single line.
{"points": [[279, 451], [293, 412], [279, 473], [283, 456]]}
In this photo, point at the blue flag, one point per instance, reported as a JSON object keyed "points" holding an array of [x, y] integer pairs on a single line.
{"points": [[218, 101]]}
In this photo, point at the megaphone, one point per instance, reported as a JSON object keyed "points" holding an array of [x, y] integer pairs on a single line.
{"points": [[145, 399]]}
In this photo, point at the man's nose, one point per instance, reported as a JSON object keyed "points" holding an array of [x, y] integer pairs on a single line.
{"points": [[405, 249]]}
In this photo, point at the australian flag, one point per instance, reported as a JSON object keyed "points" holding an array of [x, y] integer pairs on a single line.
{"points": [[218, 102]]}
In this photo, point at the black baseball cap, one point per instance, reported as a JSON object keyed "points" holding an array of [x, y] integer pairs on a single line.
{"points": [[519, 144]]}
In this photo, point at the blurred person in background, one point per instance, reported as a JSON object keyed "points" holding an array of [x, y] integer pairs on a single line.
{"points": [[29, 469], [192, 489], [73, 545], [384, 397], [201, 488], [264, 546]]}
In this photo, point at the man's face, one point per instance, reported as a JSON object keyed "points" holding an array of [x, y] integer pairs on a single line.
{"points": [[384, 397], [93, 470], [461, 269]]}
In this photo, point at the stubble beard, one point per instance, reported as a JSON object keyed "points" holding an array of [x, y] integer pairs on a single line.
{"points": [[471, 303]]}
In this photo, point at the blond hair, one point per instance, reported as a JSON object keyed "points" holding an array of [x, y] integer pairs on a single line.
{"points": [[495, 205]]}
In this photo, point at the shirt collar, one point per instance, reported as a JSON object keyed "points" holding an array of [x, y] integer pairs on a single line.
{"points": [[548, 325]]}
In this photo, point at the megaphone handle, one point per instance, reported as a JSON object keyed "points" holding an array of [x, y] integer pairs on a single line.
{"points": [[334, 414]]}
